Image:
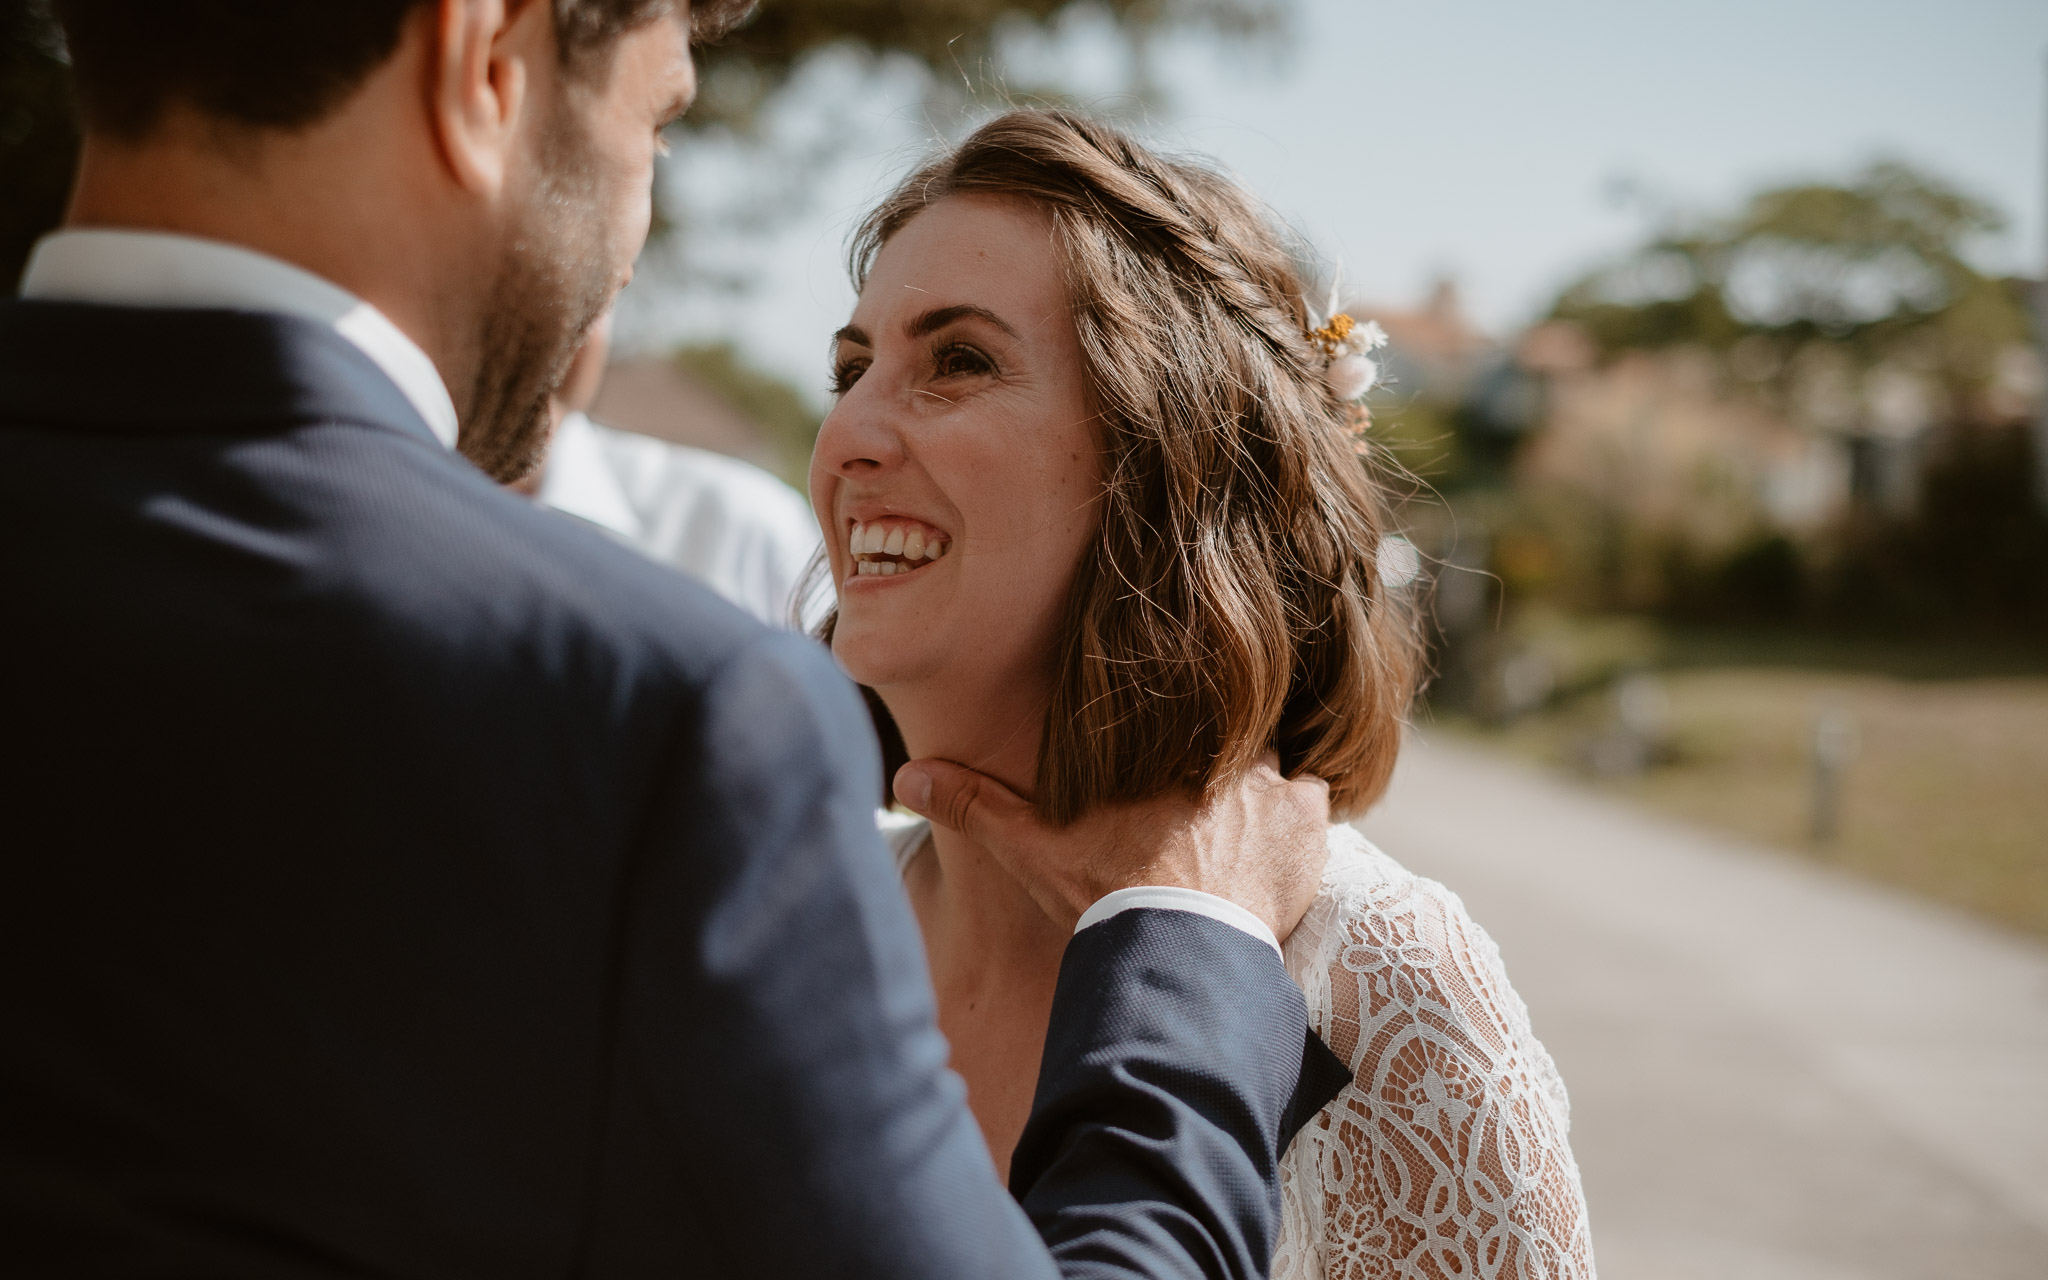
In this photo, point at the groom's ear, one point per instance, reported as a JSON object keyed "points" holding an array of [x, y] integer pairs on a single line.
{"points": [[482, 62]]}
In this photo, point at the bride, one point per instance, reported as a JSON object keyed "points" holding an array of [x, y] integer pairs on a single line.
{"points": [[1098, 526]]}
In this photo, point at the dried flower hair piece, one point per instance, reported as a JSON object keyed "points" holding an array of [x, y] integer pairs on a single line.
{"points": [[1346, 346], [1349, 371]]}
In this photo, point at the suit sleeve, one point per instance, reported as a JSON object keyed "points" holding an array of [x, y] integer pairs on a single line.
{"points": [[778, 1039], [1181, 1038]]}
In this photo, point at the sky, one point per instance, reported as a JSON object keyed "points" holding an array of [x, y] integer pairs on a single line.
{"points": [[1506, 146]]}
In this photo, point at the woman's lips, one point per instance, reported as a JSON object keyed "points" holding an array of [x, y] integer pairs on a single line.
{"points": [[891, 545]]}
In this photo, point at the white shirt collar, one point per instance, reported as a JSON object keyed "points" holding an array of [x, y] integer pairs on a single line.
{"points": [[158, 269], [580, 481]]}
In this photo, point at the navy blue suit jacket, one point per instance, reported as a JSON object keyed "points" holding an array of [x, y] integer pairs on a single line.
{"points": [[402, 880]]}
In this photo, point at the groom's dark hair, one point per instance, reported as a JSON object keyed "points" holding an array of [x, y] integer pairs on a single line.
{"points": [[285, 63]]}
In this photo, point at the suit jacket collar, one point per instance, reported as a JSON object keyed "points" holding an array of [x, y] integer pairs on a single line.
{"points": [[163, 370], [139, 268]]}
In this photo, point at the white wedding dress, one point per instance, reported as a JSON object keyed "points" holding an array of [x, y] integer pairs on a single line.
{"points": [[1446, 1156]]}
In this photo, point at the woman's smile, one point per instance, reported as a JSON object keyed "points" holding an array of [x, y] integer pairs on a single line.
{"points": [[892, 546]]}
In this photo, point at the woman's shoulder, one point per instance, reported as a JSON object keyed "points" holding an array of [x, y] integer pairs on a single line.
{"points": [[1356, 863], [1405, 1165], [1380, 941], [1369, 900], [1363, 887]]}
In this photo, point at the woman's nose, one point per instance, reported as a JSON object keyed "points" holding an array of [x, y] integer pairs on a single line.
{"points": [[858, 437]]}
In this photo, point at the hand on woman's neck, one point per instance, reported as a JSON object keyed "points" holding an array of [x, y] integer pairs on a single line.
{"points": [[995, 731]]}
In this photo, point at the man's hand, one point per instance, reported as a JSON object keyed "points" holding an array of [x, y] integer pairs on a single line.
{"points": [[1259, 843]]}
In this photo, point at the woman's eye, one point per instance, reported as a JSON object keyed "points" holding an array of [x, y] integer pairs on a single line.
{"points": [[845, 374], [961, 360]]}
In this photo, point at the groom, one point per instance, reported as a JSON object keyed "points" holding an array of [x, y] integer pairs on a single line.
{"points": [[401, 880]]}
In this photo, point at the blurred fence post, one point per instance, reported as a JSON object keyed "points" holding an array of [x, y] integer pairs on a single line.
{"points": [[1834, 745]]}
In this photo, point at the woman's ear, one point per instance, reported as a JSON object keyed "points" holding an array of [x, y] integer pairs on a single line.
{"points": [[480, 68]]}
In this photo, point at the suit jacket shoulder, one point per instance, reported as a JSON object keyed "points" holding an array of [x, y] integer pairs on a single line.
{"points": [[405, 880], [341, 765]]}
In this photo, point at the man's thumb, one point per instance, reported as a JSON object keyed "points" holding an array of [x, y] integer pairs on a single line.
{"points": [[956, 797]]}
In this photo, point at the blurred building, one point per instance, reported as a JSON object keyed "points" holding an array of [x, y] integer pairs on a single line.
{"points": [[1713, 444], [1432, 350], [1767, 476], [1675, 440]]}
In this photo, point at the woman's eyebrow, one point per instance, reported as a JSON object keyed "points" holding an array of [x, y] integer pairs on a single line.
{"points": [[932, 321], [852, 333]]}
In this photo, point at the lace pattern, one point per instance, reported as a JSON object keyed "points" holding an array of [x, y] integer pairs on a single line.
{"points": [[1446, 1156]]}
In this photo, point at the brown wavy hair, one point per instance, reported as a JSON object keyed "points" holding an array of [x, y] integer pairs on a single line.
{"points": [[1231, 601]]}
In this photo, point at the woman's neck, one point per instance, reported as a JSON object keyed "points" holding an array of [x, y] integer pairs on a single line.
{"points": [[994, 956], [965, 893], [990, 725]]}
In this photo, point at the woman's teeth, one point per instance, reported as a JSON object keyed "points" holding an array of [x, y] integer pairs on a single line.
{"points": [[886, 548]]}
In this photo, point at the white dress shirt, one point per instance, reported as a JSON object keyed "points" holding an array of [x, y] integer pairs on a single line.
{"points": [[158, 269], [1167, 897], [743, 532]]}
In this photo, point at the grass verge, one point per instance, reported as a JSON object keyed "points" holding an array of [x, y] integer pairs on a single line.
{"points": [[1945, 792]]}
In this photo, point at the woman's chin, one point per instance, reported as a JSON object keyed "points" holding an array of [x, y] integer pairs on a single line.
{"points": [[884, 657]]}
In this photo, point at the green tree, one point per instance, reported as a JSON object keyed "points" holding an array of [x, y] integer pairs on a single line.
{"points": [[1855, 310], [1869, 273], [951, 38]]}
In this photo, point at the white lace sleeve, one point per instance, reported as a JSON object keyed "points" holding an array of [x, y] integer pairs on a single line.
{"points": [[1447, 1154]]}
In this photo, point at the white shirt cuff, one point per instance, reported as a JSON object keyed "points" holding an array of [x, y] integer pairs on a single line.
{"points": [[1174, 898]]}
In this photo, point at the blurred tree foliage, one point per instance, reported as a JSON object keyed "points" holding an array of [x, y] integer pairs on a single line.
{"points": [[741, 75], [1827, 302], [1859, 275], [745, 70]]}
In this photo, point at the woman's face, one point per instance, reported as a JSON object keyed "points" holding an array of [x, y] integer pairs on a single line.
{"points": [[961, 455]]}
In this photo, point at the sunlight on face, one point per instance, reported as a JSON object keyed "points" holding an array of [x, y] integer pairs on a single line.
{"points": [[620, 119], [961, 453], [579, 219]]}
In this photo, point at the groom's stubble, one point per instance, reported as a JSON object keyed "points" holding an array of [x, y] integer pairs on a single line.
{"points": [[555, 280]]}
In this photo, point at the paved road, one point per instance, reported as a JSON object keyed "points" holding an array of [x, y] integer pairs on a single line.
{"points": [[1775, 1072]]}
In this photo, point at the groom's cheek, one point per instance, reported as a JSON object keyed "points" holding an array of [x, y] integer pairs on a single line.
{"points": [[653, 79]]}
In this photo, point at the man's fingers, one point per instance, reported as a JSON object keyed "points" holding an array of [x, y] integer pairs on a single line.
{"points": [[1313, 795], [956, 797], [913, 788], [1000, 821], [1260, 845]]}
